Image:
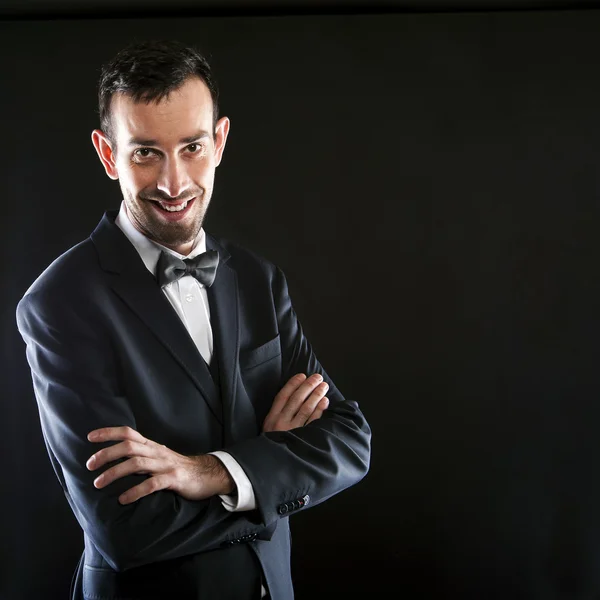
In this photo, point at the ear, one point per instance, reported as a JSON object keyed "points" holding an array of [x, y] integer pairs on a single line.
{"points": [[105, 153], [221, 132]]}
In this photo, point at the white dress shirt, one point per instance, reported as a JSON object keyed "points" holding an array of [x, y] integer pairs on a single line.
{"points": [[190, 301]]}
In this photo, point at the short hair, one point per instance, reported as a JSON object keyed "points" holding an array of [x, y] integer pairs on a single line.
{"points": [[149, 72]]}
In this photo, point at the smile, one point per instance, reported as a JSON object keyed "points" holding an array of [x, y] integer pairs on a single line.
{"points": [[171, 211], [173, 207]]}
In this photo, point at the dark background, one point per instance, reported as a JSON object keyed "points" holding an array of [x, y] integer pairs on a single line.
{"points": [[429, 184]]}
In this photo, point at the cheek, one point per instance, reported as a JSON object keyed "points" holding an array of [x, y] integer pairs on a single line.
{"points": [[203, 168], [204, 174], [135, 179]]}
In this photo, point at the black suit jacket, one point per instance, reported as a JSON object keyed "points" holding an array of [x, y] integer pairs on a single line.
{"points": [[106, 349]]}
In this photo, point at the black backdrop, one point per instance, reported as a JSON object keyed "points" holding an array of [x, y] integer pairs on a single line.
{"points": [[428, 183]]}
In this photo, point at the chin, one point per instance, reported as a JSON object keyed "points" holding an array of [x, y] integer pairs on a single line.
{"points": [[174, 234]]}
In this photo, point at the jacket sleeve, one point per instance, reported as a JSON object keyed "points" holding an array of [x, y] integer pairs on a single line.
{"points": [[76, 387], [290, 470]]}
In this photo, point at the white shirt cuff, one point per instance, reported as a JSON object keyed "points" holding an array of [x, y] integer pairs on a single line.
{"points": [[244, 500]]}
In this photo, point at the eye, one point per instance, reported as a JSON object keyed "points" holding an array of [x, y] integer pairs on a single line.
{"points": [[143, 153], [194, 147]]}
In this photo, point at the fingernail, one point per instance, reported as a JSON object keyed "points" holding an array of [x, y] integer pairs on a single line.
{"points": [[90, 463], [318, 378], [93, 435]]}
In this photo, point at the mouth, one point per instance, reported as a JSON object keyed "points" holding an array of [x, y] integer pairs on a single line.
{"points": [[173, 211]]}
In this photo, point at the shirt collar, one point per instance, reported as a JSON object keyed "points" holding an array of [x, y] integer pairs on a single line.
{"points": [[149, 250]]}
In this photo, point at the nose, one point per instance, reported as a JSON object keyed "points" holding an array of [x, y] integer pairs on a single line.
{"points": [[173, 179]]}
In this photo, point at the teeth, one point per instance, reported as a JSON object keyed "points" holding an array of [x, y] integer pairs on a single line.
{"points": [[174, 207]]}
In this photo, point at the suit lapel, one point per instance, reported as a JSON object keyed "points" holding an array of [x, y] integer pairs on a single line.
{"points": [[136, 286], [238, 414]]}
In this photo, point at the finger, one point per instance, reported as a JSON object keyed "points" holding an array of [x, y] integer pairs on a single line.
{"points": [[318, 412], [136, 465], [109, 434], [300, 396], [125, 449], [307, 408], [280, 401], [147, 487], [286, 391]]}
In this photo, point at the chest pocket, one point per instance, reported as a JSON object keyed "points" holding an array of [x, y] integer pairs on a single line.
{"points": [[260, 371], [254, 357]]}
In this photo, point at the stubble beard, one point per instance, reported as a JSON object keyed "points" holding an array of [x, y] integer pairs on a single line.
{"points": [[171, 235]]}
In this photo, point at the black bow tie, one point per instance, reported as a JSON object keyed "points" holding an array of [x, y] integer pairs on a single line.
{"points": [[203, 267]]}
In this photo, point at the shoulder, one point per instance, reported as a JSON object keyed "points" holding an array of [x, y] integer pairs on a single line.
{"points": [[70, 275], [243, 260]]}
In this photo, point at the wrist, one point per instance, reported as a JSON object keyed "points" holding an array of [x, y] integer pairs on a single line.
{"points": [[219, 477]]}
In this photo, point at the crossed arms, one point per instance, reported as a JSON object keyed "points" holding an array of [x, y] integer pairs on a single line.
{"points": [[301, 401], [127, 519]]}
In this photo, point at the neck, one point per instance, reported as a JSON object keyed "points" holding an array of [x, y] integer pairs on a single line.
{"points": [[184, 249]]}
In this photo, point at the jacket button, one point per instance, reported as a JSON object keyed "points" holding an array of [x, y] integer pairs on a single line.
{"points": [[282, 509]]}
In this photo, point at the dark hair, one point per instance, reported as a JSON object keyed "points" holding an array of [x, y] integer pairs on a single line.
{"points": [[150, 71]]}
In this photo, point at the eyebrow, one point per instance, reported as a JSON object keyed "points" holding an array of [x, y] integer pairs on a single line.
{"points": [[186, 140]]}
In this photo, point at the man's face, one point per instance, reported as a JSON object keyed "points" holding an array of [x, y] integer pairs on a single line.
{"points": [[165, 159]]}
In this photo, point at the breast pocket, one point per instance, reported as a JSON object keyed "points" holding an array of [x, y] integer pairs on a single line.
{"points": [[254, 357], [260, 371]]}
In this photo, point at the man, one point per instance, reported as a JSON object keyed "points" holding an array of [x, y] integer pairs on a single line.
{"points": [[183, 409]]}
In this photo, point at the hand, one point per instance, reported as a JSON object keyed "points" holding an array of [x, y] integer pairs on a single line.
{"points": [[299, 402], [193, 477]]}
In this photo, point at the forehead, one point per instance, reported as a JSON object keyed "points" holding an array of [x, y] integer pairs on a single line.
{"points": [[184, 111]]}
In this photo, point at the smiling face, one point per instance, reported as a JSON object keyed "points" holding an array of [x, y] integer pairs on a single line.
{"points": [[164, 155]]}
